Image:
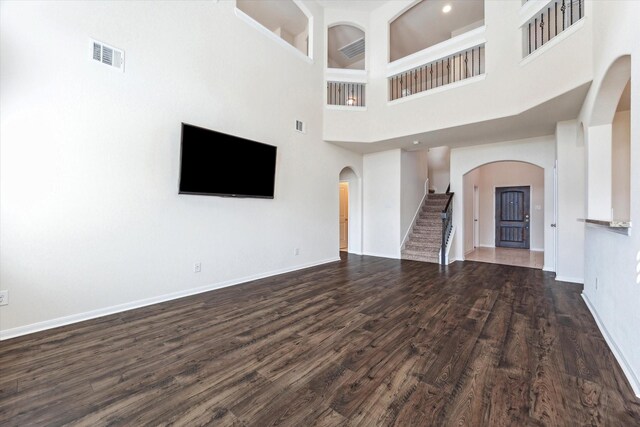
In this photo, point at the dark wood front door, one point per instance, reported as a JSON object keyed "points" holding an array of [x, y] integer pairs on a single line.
{"points": [[512, 217]]}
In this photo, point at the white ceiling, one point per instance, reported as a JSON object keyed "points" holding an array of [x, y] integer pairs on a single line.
{"points": [[357, 5], [425, 24], [275, 14], [338, 37], [537, 121]]}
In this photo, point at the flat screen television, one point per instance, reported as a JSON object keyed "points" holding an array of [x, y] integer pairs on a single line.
{"points": [[216, 164]]}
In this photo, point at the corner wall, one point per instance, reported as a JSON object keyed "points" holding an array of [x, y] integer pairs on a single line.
{"points": [[612, 260]]}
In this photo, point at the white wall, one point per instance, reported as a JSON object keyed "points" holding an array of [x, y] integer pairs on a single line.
{"points": [[414, 171], [611, 259], [355, 210], [621, 162], [599, 172], [382, 201], [570, 152], [537, 151], [439, 168], [510, 174], [470, 180], [90, 216]]}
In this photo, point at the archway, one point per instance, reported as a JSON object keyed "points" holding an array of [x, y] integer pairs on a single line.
{"points": [[608, 145], [503, 214], [350, 211]]}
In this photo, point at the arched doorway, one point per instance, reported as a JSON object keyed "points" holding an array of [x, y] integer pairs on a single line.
{"points": [[350, 211], [503, 217]]}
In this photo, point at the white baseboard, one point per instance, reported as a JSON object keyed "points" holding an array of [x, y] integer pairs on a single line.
{"points": [[381, 255], [80, 317], [570, 279], [622, 361]]}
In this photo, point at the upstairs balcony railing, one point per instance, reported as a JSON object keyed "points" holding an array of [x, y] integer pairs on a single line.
{"points": [[552, 20], [346, 94], [450, 69]]}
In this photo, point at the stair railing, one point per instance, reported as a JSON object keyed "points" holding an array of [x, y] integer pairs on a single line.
{"points": [[446, 216]]}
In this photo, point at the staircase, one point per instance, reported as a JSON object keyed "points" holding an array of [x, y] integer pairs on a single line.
{"points": [[426, 237]]}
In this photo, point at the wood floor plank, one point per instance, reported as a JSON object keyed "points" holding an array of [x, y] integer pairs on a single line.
{"points": [[363, 341]]}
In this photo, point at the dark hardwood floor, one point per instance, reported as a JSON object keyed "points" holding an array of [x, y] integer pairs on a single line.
{"points": [[364, 341]]}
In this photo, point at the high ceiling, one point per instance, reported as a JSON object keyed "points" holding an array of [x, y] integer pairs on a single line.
{"points": [[338, 37], [425, 24], [357, 5]]}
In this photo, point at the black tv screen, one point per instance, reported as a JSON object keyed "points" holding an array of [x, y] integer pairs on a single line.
{"points": [[217, 164]]}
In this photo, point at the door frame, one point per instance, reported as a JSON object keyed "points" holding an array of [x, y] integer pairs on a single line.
{"points": [[495, 187], [346, 183], [476, 216]]}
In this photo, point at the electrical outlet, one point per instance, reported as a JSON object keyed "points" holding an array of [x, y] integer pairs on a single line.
{"points": [[296, 251], [197, 267], [4, 297]]}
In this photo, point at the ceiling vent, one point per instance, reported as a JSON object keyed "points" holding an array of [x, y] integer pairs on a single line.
{"points": [[353, 49], [108, 55]]}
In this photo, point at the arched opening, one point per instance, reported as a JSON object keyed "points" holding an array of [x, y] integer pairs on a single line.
{"points": [[346, 47], [503, 218], [430, 22], [608, 146], [350, 211]]}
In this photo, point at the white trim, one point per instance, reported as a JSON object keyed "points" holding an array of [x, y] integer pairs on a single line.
{"points": [[569, 279], [345, 75], [454, 45], [270, 35], [617, 353], [554, 41], [439, 89], [80, 317], [415, 216], [345, 107], [381, 255]]}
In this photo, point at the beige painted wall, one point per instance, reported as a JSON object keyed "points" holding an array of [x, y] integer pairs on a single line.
{"points": [[620, 165]]}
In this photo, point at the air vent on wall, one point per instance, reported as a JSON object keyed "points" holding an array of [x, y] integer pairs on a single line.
{"points": [[300, 126], [108, 55], [353, 49]]}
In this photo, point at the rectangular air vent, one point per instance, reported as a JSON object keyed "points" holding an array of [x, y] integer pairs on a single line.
{"points": [[108, 55], [300, 126], [353, 49]]}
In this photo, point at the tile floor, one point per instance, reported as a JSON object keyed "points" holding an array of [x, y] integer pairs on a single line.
{"points": [[508, 256]]}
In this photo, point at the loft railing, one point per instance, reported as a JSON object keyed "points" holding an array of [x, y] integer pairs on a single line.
{"points": [[446, 216], [552, 20], [450, 69], [346, 94]]}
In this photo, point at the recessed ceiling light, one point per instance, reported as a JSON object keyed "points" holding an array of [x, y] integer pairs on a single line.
{"points": [[446, 8]]}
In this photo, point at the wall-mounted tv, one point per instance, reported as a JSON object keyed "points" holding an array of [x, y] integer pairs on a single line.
{"points": [[216, 164]]}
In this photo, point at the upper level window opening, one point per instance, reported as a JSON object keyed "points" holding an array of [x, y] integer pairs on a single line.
{"points": [[345, 47], [431, 22], [282, 17]]}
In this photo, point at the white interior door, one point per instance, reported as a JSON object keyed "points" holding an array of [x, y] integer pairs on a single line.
{"points": [[344, 215]]}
